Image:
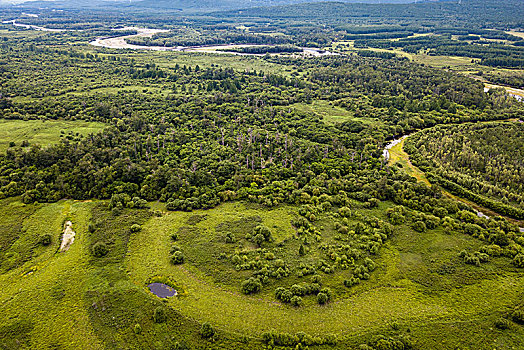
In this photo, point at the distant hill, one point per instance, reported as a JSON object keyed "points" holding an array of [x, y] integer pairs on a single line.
{"points": [[200, 5], [484, 13], [238, 4]]}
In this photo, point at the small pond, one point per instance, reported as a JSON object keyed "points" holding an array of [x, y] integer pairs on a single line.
{"points": [[162, 290]]}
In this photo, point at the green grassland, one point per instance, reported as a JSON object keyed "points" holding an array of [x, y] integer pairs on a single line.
{"points": [[420, 287], [42, 132], [330, 114], [408, 288]]}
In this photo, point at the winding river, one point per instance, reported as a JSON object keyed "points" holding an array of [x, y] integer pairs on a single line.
{"points": [[119, 42]]}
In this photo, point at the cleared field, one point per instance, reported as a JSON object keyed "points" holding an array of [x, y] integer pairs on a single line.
{"points": [[331, 114], [443, 61], [41, 132]]}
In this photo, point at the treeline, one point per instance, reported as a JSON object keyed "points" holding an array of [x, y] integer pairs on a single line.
{"points": [[481, 162], [261, 50], [490, 53]]}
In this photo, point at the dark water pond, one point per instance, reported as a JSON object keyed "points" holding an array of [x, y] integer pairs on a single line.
{"points": [[162, 290]]}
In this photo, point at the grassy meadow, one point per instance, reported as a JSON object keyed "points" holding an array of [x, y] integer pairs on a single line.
{"points": [[42, 132]]}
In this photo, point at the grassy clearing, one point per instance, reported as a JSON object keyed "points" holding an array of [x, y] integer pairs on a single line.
{"points": [[443, 61], [41, 132], [78, 301], [41, 302], [331, 114], [398, 156]]}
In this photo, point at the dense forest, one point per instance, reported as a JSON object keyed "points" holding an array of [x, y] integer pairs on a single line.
{"points": [[476, 161]]}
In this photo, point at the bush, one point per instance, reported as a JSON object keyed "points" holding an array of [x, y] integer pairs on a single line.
{"points": [[296, 300], [301, 250], [419, 226], [207, 331], [135, 228], [180, 346], [518, 316], [137, 329], [264, 231], [160, 315], [100, 249], [502, 324], [518, 260], [45, 239], [251, 286], [322, 298], [177, 258]]}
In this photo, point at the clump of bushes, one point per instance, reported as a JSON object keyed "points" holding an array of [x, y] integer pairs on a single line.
{"points": [[474, 258], [45, 239], [207, 331], [123, 200], [260, 235], [136, 228], [160, 316], [294, 294], [100, 249], [273, 338], [518, 260], [251, 285]]}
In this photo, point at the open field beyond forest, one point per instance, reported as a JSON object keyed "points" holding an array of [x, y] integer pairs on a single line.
{"points": [[42, 132]]}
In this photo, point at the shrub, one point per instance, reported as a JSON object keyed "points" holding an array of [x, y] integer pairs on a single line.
{"points": [[180, 346], [296, 300], [419, 226], [259, 239], [264, 231], [283, 294], [251, 285], [45, 239], [345, 212], [160, 315], [230, 238], [351, 281], [301, 250], [518, 260], [518, 316], [135, 228], [502, 324], [316, 279], [177, 258], [137, 329], [100, 249], [207, 331], [322, 298]]}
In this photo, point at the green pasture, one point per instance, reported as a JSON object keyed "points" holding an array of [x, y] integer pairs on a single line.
{"points": [[42, 132]]}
